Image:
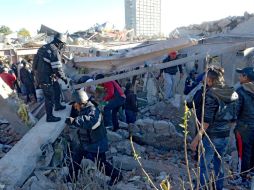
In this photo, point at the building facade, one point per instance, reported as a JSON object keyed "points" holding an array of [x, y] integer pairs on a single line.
{"points": [[144, 16]]}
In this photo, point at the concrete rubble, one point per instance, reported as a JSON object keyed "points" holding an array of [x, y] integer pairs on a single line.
{"points": [[232, 25], [157, 137]]}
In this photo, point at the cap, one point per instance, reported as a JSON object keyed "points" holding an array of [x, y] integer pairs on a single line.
{"points": [[80, 96], [61, 37], [247, 71], [99, 76]]}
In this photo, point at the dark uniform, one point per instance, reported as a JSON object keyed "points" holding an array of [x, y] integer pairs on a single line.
{"points": [[93, 134], [47, 67]]}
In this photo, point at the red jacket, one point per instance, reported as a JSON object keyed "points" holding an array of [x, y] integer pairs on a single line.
{"points": [[109, 87], [9, 79]]}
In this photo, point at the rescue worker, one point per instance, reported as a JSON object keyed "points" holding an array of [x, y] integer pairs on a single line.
{"points": [[47, 67], [93, 134], [244, 130], [169, 74]]}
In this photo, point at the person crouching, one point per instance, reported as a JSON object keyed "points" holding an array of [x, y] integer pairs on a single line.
{"points": [[95, 142]]}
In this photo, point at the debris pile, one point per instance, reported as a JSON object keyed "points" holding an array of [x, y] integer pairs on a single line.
{"points": [[227, 25], [158, 141]]}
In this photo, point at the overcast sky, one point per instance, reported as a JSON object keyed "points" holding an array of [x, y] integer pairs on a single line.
{"points": [[74, 15]]}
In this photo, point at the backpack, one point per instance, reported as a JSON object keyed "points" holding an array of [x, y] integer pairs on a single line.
{"points": [[226, 111]]}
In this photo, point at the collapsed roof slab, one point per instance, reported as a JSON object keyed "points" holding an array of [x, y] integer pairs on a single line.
{"points": [[18, 52], [19, 163], [155, 67], [133, 57]]}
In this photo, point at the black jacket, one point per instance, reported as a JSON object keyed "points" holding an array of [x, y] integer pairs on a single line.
{"points": [[245, 106], [216, 99], [131, 101], [190, 84], [197, 100], [92, 132], [47, 64], [26, 77], [171, 70]]}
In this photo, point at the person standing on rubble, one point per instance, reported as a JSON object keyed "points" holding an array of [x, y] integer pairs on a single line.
{"points": [[47, 67], [169, 74], [219, 113], [115, 98], [27, 79], [93, 134], [131, 106], [244, 131]]}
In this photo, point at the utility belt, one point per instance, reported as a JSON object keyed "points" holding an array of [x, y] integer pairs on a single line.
{"points": [[53, 79], [45, 85]]}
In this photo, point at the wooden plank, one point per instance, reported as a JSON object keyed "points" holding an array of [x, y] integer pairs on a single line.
{"points": [[232, 48], [136, 56], [18, 164]]}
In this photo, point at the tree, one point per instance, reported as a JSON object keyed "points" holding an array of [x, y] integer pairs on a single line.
{"points": [[24, 32], [5, 30]]}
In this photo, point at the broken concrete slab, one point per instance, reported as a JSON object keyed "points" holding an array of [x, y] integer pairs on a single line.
{"points": [[113, 136], [123, 186], [125, 148], [15, 171], [129, 163], [145, 125], [123, 133], [161, 127], [245, 28], [131, 58]]}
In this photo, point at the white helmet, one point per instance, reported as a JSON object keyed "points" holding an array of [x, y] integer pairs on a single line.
{"points": [[80, 96]]}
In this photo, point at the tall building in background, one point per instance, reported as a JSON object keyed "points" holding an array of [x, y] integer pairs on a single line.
{"points": [[144, 16]]}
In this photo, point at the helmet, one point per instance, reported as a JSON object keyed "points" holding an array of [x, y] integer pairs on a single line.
{"points": [[80, 96], [61, 37]]}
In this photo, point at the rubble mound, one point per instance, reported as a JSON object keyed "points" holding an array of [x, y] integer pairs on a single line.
{"points": [[235, 24]]}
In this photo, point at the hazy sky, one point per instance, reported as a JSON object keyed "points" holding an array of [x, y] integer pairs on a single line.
{"points": [[73, 15]]}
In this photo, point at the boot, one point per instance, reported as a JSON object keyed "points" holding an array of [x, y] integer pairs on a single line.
{"points": [[60, 107], [53, 119]]}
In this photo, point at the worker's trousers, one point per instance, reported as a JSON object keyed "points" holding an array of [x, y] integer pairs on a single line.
{"points": [[48, 92], [169, 85], [57, 94], [52, 96]]}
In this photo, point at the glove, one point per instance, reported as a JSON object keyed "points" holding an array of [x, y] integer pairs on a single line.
{"points": [[69, 120], [65, 81]]}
